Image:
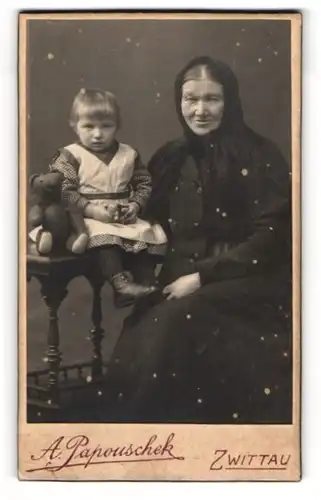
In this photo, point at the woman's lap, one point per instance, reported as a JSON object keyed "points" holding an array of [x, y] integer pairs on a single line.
{"points": [[224, 335]]}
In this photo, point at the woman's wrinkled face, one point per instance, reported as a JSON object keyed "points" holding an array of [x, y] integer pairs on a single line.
{"points": [[202, 105]]}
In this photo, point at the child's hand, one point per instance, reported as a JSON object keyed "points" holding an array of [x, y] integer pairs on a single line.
{"points": [[98, 213], [130, 212], [112, 212]]}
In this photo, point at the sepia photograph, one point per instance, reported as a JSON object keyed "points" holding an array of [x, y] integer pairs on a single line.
{"points": [[159, 241]]}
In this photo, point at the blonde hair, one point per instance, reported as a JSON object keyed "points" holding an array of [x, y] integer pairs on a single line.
{"points": [[99, 104]]}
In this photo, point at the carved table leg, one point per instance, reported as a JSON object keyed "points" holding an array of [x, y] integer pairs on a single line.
{"points": [[53, 294], [96, 333]]}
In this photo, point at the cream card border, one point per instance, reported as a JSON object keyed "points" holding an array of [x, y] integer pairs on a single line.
{"points": [[194, 452]]}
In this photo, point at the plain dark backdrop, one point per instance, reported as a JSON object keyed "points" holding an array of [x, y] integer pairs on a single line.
{"points": [[138, 60]]}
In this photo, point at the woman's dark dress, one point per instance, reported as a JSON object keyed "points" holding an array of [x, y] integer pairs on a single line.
{"points": [[222, 354]]}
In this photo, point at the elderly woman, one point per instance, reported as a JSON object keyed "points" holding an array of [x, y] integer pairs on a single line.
{"points": [[215, 347]]}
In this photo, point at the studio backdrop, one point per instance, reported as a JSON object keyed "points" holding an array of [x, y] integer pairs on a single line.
{"points": [[138, 61]]}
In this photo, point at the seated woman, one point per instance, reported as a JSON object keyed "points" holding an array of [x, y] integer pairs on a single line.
{"points": [[216, 347]]}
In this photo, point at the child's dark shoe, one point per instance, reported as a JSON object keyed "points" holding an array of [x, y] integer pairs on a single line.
{"points": [[127, 292]]}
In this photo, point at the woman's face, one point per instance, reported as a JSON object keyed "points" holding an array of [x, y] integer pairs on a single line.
{"points": [[202, 105]]}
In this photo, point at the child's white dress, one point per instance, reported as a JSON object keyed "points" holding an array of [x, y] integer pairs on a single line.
{"points": [[103, 183]]}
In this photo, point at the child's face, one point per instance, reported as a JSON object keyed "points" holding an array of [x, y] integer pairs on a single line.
{"points": [[95, 133]]}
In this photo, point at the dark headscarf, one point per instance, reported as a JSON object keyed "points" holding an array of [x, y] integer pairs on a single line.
{"points": [[224, 151], [233, 114], [233, 139]]}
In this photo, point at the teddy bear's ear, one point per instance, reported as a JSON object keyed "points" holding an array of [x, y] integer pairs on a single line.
{"points": [[32, 179]]}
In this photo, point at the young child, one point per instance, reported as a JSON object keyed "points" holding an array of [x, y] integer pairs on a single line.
{"points": [[107, 181]]}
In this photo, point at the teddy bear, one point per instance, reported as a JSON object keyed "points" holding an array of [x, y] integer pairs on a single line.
{"points": [[61, 227]]}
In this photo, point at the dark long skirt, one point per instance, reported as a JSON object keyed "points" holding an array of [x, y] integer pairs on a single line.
{"points": [[221, 355]]}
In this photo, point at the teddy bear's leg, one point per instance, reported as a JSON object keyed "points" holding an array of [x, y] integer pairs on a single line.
{"points": [[44, 242], [77, 242]]}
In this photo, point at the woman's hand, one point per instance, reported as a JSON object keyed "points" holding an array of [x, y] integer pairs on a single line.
{"points": [[185, 285]]}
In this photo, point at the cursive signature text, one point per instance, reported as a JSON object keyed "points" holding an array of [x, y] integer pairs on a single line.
{"points": [[79, 451]]}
